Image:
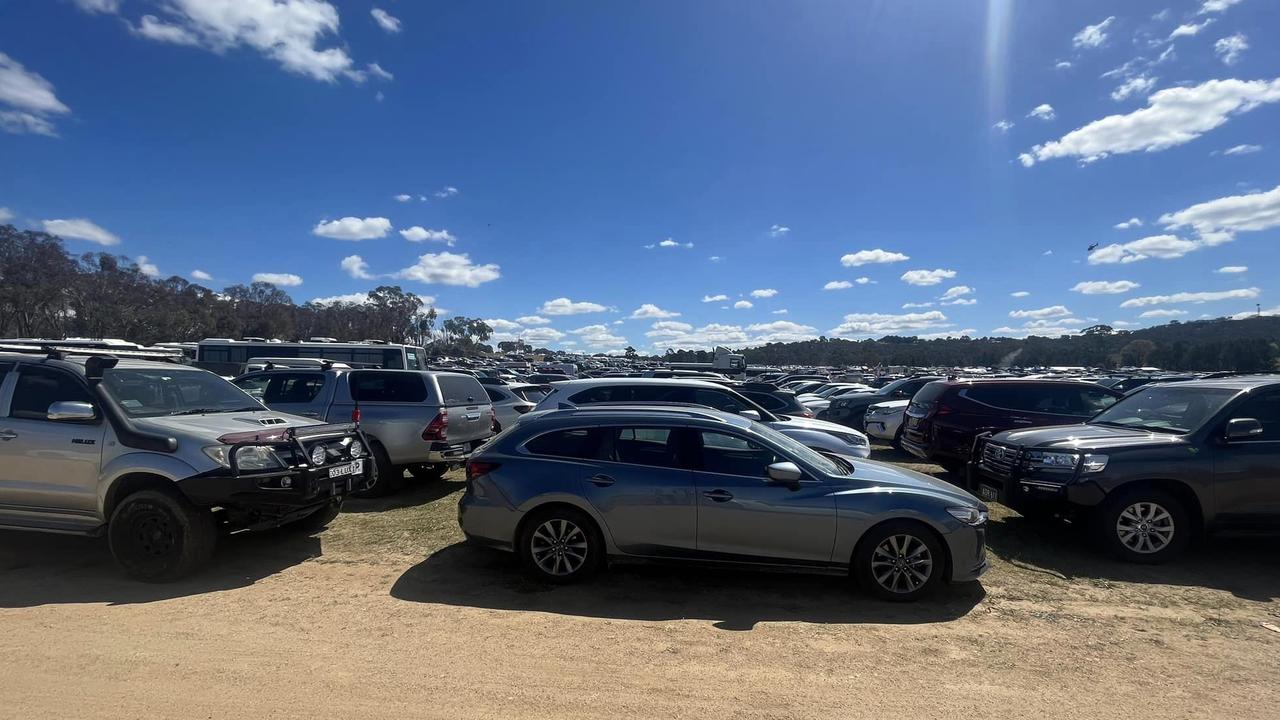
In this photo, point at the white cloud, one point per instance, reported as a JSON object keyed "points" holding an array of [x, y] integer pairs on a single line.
{"points": [[838, 285], [1217, 221], [1212, 6], [1136, 85], [1054, 311], [1230, 48], [1242, 150], [714, 298], [1003, 126], [80, 229], [30, 100], [532, 320], [1092, 36], [1020, 294], [960, 301], [504, 326], [715, 258], [446, 192], [1162, 313], [449, 268], [912, 305], [869, 257], [863, 324], [377, 71], [1189, 29], [743, 305], [780, 311], [278, 279], [1043, 112], [146, 267], [779, 230], [1062, 65], [5, 214], [565, 306], [649, 310], [1191, 297], [780, 331], [403, 198], [957, 291], [1232, 269], [864, 281], [927, 277], [353, 228], [1173, 116], [417, 233], [201, 275], [1043, 328], [764, 293], [385, 20], [107, 7], [356, 298], [683, 335], [1104, 287], [542, 336], [599, 336], [286, 31], [356, 267], [943, 335], [1127, 224], [1162, 247], [668, 243]]}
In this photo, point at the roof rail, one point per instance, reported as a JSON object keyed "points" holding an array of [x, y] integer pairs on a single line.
{"points": [[61, 352]]}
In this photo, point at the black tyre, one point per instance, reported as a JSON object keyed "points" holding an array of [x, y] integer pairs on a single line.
{"points": [[158, 536], [897, 440], [384, 478], [561, 545], [899, 561], [318, 520], [428, 471], [1144, 525]]}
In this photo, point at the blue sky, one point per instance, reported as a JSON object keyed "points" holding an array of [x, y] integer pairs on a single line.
{"points": [[590, 175]]}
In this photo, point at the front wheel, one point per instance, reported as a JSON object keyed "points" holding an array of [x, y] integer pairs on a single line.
{"points": [[1144, 526], [157, 536], [561, 546], [899, 561], [384, 478]]}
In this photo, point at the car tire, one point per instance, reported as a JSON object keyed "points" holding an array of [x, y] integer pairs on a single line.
{"points": [[899, 561], [318, 520], [561, 545], [1145, 525], [897, 440], [429, 472], [158, 536], [384, 478]]}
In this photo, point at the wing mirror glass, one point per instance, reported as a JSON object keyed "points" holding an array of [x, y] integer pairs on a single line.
{"points": [[786, 472], [1243, 429], [71, 411]]}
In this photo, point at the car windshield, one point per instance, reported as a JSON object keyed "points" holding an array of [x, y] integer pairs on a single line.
{"points": [[1169, 409], [164, 391], [802, 452]]}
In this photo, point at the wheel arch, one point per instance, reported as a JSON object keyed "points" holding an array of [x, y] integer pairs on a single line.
{"points": [[1180, 490], [127, 471], [538, 508], [947, 561]]}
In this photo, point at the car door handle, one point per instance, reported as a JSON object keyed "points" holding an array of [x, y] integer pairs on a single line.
{"points": [[718, 495], [8, 435], [601, 480]]}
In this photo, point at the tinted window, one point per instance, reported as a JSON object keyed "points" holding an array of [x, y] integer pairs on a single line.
{"points": [[4, 370], [766, 401], [931, 392], [1266, 410], [460, 390], [644, 446], [577, 443], [1095, 401], [283, 388], [40, 387], [733, 455], [403, 387], [494, 395], [719, 400]]}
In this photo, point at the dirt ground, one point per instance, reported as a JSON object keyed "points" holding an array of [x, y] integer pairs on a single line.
{"points": [[387, 615]]}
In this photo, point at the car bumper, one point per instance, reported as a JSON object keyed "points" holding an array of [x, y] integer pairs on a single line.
{"points": [[270, 498], [968, 553], [1022, 493], [879, 429], [453, 454], [486, 519]]}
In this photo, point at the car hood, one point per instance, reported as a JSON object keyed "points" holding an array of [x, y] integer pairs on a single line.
{"points": [[210, 427], [891, 476], [791, 422], [891, 405], [1086, 437]]}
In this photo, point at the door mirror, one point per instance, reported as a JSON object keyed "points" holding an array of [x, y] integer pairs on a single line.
{"points": [[750, 415], [1243, 429], [71, 411], [786, 472], [901, 394]]}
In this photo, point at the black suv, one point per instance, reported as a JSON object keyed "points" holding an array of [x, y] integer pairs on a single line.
{"points": [[1154, 470], [851, 410]]}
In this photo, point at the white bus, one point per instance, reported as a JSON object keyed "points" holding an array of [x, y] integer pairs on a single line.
{"points": [[225, 356]]}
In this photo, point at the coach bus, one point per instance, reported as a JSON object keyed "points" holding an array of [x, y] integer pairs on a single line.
{"points": [[226, 356]]}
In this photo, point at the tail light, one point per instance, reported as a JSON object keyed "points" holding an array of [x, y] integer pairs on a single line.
{"points": [[940, 409], [494, 425], [355, 416], [438, 428], [480, 468]]}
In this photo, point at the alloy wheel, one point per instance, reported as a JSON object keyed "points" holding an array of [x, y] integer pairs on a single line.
{"points": [[559, 547], [902, 563], [1145, 527]]}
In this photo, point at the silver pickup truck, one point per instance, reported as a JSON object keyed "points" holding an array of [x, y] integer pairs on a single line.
{"points": [[421, 421]]}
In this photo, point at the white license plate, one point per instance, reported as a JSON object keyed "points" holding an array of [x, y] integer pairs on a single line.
{"points": [[355, 467], [989, 493]]}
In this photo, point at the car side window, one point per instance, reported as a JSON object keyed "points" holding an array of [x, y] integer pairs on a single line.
{"points": [[40, 387], [579, 443], [398, 387], [494, 395], [297, 389], [718, 400], [1266, 410], [733, 455], [1095, 401], [654, 447], [766, 401]]}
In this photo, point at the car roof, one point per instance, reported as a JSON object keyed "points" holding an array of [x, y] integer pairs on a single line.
{"points": [[1234, 382], [646, 413], [75, 362], [595, 382]]}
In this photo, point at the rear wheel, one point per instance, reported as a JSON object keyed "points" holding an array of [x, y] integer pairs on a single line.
{"points": [[561, 545], [158, 536], [428, 471], [899, 561], [384, 478], [1148, 526]]}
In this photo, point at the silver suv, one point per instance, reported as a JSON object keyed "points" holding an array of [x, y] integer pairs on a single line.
{"points": [[157, 457], [421, 421]]}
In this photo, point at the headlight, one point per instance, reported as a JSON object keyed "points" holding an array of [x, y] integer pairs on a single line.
{"points": [[249, 458], [968, 515], [1042, 460]]}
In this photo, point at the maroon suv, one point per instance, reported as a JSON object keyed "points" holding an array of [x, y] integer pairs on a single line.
{"points": [[945, 416]]}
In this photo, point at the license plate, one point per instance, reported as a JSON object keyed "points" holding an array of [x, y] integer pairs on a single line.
{"points": [[355, 467], [986, 492]]}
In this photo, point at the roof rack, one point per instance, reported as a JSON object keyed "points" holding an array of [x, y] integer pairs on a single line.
{"points": [[674, 407], [60, 352]]}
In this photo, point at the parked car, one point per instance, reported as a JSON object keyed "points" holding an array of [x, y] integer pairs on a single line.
{"points": [[159, 458], [1153, 471], [544, 378], [884, 421], [779, 402], [512, 401], [946, 416], [822, 436], [422, 421], [569, 488], [850, 409]]}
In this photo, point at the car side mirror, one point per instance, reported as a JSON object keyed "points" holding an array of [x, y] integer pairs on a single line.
{"points": [[901, 394], [71, 411], [785, 472], [750, 415], [1243, 429]]}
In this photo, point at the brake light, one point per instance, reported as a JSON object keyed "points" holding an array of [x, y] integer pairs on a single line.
{"points": [[940, 409], [493, 421], [261, 437], [355, 416], [480, 468], [438, 428]]}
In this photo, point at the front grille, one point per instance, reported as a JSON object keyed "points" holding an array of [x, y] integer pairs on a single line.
{"points": [[1000, 459]]}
